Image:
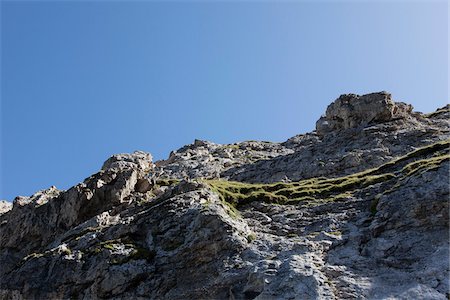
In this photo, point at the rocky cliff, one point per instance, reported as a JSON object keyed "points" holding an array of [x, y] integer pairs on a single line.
{"points": [[357, 209]]}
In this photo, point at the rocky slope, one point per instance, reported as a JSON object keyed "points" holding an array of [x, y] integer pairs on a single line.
{"points": [[358, 208]]}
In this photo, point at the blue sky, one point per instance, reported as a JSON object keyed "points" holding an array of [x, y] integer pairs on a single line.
{"points": [[81, 81]]}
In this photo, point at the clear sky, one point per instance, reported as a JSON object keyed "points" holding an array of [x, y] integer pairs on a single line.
{"points": [[83, 80]]}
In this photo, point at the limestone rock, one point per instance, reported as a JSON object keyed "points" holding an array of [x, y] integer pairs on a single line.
{"points": [[350, 111], [208, 160], [358, 212], [138, 160], [38, 198], [5, 206], [350, 150]]}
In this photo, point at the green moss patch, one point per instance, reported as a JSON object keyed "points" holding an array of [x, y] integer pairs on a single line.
{"points": [[437, 150], [34, 255], [238, 193], [322, 190], [167, 181], [424, 164], [137, 252], [251, 237]]}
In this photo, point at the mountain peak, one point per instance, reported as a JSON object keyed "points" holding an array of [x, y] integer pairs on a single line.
{"points": [[352, 111], [357, 209]]}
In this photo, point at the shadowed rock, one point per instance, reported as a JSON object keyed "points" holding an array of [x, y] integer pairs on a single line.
{"points": [[357, 210]]}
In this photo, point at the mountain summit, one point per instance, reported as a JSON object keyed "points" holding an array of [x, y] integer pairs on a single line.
{"points": [[358, 208]]}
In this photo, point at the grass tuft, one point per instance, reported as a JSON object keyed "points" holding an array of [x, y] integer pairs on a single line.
{"points": [[323, 190]]}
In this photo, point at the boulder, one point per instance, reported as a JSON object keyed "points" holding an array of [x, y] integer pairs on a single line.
{"points": [[138, 160], [350, 111]]}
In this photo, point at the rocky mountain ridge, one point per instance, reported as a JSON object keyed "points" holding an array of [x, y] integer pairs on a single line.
{"points": [[356, 209]]}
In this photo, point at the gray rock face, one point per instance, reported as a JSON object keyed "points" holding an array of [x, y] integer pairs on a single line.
{"points": [[5, 206], [345, 150], [35, 221], [156, 249], [138, 160], [208, 160], [133, 231], [350, 111]]}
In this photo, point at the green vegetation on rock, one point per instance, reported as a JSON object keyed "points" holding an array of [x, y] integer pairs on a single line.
{"points": [[33, 255], [136, 252], [167, 181], [251, 237], [322, 190]]}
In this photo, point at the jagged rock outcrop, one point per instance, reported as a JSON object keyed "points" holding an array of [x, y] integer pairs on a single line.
{"points": [[204, 159], [139, 160], [5, 206], [36, 221], [347, 150], [352, 111], [360, 210]]}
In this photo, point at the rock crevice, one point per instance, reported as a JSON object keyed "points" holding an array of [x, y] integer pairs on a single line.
{"points": [[357, 209]]}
